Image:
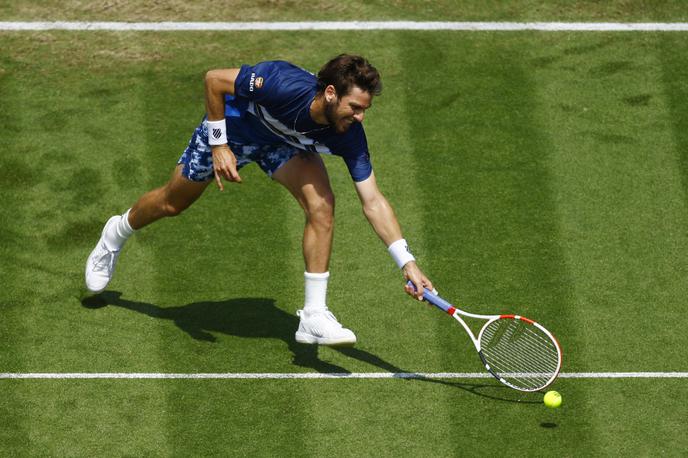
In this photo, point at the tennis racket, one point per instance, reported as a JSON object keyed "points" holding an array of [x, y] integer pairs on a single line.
{"points": [[518, 352]]}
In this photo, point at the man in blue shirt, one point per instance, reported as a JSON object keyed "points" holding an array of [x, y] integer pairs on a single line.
{"points": [[281, 117]]}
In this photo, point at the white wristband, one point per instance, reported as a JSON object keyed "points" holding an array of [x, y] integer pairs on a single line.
{"points": [[217, 132], [400, 253]]}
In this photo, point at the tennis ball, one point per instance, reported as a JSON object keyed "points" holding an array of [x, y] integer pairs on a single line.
{"points": [[552, 399]]}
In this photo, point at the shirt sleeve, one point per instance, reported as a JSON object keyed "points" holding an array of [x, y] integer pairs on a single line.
{"points": [[353, 148], [257, 83], [359, 166]]}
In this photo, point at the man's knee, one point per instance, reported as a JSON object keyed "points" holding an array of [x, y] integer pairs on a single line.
{"points": [[320, 211], [179, 194], [173, 208], [174, 205]]}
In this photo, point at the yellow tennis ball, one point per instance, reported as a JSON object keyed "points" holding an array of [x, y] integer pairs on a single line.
{"points": [[552, 399]]}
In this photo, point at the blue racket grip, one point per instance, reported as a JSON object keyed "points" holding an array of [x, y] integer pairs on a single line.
{"points": [[434, 299]]}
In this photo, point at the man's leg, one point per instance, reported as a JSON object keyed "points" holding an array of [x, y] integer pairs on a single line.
{"points": [[306, 178], [169, 200]]}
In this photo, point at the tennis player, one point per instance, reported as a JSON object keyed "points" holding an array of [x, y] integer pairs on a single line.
{"points": [[282, 118]]}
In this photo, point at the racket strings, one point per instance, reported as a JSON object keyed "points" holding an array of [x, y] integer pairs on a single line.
{"points": [[523, 353], [528, 355], [520, 353], [528, 371], [524, 369], [530, 375], [519, 376]]}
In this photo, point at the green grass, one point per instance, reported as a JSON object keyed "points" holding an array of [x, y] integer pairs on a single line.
{"points": [[339, 417], [331, 10], [531, 172]]}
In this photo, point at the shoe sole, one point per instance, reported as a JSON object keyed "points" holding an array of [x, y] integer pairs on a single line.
{"points": [[95, 291], [304, 338]]}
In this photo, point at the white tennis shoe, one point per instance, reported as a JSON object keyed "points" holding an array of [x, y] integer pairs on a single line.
{"points": [[100, 266], [322, 328]]}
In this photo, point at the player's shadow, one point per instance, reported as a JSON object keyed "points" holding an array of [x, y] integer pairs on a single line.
{"points": [[260, 318], [241, 317]]}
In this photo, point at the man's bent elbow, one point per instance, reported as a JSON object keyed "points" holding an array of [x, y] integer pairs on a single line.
{"points": [[221, 81]]}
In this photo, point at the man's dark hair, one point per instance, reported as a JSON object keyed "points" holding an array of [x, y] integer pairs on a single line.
{"points": [[345, 71]]}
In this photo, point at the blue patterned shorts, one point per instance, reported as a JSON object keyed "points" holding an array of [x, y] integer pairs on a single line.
{"points": [[198, 158]]}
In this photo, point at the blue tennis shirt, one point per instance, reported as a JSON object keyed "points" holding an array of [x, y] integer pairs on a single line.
{"points": [[271, 105]]}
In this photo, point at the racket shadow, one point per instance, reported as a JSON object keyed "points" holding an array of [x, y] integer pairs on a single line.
{"points": [[493, 390]]}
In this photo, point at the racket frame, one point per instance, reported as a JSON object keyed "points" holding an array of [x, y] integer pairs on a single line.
{"points": [[456, 313]]}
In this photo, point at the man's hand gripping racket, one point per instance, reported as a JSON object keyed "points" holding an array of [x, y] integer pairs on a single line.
{"points": [[518, 352]]}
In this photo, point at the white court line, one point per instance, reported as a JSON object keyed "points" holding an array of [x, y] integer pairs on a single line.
{"points": [[311, 375], [352, 25]]}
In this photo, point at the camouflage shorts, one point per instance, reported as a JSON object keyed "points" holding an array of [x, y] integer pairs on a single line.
{"points": [[198, 159]]}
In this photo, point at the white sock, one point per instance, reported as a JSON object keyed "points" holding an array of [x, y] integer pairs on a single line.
{"points": [[118, 233], [316, 291]]}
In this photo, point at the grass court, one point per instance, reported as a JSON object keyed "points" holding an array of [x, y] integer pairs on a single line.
{"points": [[532, 172]]}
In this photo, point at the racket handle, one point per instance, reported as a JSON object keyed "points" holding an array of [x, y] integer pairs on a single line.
{"points": [[434, 299]]}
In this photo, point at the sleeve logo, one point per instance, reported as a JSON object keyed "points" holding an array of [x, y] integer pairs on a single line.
{"points": [[255, 83]]}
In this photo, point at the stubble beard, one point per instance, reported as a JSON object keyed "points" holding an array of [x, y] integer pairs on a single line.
{"points": [[331, 117]]}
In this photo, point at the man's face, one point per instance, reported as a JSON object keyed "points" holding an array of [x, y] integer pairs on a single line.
{"points": [[341, 112]]}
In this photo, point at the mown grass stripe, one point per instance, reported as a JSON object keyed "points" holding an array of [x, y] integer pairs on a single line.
{"points": [[17, 176], [351, 25], [483, 157], [239, 271], [672, 54], [619, 194], [619, 200]]}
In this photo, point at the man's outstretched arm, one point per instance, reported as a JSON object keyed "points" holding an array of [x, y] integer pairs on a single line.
{"points": [[219, 83], [383, 220]]}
